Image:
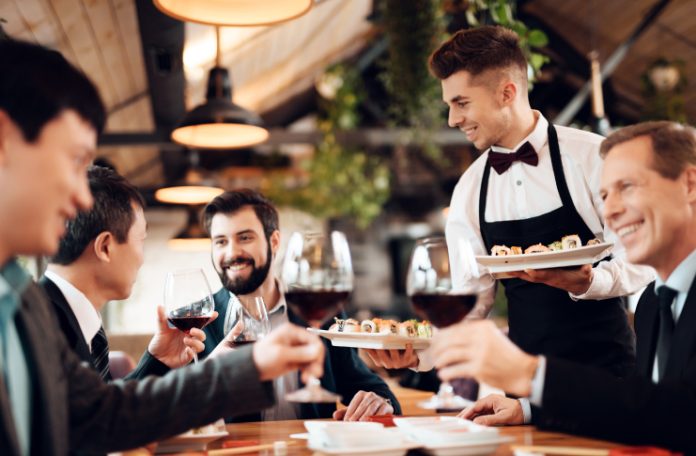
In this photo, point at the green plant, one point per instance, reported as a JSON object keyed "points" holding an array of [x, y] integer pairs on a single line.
{"points": [[663, 84], [502, 12], [340, 181]]}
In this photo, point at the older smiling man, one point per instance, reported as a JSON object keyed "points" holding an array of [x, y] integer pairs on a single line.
{"points": [[649, 190]]}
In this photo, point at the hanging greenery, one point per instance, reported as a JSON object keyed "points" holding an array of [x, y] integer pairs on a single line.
{"points": [[413, 30], [663, 85], [502, 12], [340, 181]]}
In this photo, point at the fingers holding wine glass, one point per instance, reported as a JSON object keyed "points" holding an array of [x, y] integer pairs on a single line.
{"points": [[288, 348]]}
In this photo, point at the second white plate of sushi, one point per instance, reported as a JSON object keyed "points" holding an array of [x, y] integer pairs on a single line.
{"points": [[499, 265], [371, 340]]}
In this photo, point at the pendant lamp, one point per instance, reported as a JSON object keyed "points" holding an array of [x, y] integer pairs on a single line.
{"points": [[236, 13], [218, 123], [192, 238]]}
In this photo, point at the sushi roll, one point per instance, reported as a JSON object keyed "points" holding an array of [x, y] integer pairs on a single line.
{"points": [[338, 325], [536, 248], [516, 250], [501, 250], [425, 331], [407, 329], [594, 241], [368, 326], [388, 327], [571, 241], [351, 326], [556, 246]]}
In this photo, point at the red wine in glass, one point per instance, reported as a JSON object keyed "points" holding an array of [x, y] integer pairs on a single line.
{"points": [[194, 315], [316, 306], [443, 309]]}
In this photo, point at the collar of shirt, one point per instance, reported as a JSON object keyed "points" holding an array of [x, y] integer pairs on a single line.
{"points": [[537, 138], [680, 280], [13, 281], [87, 316]]}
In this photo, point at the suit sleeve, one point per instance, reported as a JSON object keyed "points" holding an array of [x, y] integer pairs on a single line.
{"points": [[584, 400], [148, 365], [352, 375]]}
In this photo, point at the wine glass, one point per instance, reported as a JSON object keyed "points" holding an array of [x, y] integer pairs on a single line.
{"points": [[188, 301], [429, 286], [254, 318], [318, 276]]}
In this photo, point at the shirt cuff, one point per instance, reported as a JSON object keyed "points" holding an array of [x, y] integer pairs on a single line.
{"points": [[425, 363], [598, 287], [526, 409], [538, 383]]}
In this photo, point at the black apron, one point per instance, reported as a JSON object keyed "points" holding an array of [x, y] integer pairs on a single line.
{"points": [[544, 319]]}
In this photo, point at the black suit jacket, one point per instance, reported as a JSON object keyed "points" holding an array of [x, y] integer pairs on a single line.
{"points": [[344, 372], [148, 365], [74, 408], [583, 400]]}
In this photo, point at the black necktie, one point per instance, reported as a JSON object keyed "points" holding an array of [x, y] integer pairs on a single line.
{"points": [[100, 354], [501, 162], [664, 340]]}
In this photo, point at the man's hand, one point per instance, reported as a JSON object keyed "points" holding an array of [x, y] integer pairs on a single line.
{"points": [[576, 281], [478, 349], [173, 347], [226, 345], [494, 410], [364, 405], [394, 359], [288, 348]]}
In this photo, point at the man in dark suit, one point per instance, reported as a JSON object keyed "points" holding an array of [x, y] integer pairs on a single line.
{"points": [[50, 403], [97, 261], [649, 190], [243, 226]]}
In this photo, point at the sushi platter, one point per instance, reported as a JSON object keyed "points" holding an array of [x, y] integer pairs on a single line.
{"points": [[371, 340], [499, 265]]}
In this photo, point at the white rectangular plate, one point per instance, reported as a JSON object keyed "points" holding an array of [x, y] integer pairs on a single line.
{"points": [[499, 265], [370, 340], [188, 442]]}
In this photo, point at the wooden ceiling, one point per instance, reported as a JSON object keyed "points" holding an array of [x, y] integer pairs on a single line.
{"points": [[269, 65]]}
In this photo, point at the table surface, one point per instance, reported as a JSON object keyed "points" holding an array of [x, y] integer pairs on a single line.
{"points": [[272, 431]]}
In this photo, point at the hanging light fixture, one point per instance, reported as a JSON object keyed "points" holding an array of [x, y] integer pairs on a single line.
{"points": [[192, 238], [218, 123], [236, 13]]}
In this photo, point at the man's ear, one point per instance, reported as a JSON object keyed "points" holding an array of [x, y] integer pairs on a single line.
{"points": [[690, 179], [5, 127], [103, 245], [275, 242], [508, 92]]}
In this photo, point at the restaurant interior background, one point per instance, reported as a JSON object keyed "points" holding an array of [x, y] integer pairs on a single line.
{"points": [[357, 129]]}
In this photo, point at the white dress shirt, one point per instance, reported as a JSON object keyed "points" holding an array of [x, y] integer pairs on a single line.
{"points": [[86, 314], [680, 280], [525, 191]]}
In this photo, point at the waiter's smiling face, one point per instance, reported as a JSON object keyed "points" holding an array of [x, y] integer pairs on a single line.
{"points": [[650, 213], [480, 106]]}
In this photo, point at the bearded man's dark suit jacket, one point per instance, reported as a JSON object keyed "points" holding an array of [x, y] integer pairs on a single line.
{"points": [[582, 400], [148, 365], [344, 371], [74, 409]]}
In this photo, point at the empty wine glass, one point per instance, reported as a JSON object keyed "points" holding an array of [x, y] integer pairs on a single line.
{"points": [[318, 276], [430, 287], [254, 319], [188, 301]]}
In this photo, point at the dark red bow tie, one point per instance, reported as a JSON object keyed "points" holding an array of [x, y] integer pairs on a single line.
{"points": [[501, 162]]}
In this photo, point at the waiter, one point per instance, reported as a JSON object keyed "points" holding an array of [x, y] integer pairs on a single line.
{"points": [[535, 184]]}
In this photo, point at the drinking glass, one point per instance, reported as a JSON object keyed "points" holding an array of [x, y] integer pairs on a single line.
{"points": [[188, 301], [430, 288], [318, 276], [254, 318]]}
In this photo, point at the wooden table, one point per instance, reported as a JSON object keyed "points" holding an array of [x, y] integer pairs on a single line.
{"points": [[272, 431]]}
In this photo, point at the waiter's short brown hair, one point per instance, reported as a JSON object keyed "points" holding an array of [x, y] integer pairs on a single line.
{"points": [[673, 145], [478, 50]]}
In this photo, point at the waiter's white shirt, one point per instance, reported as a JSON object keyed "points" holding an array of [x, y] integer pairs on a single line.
{"points": [[87, 316], [525, 191]]}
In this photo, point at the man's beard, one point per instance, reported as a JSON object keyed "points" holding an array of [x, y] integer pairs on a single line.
{"points": [[241, 286]]}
